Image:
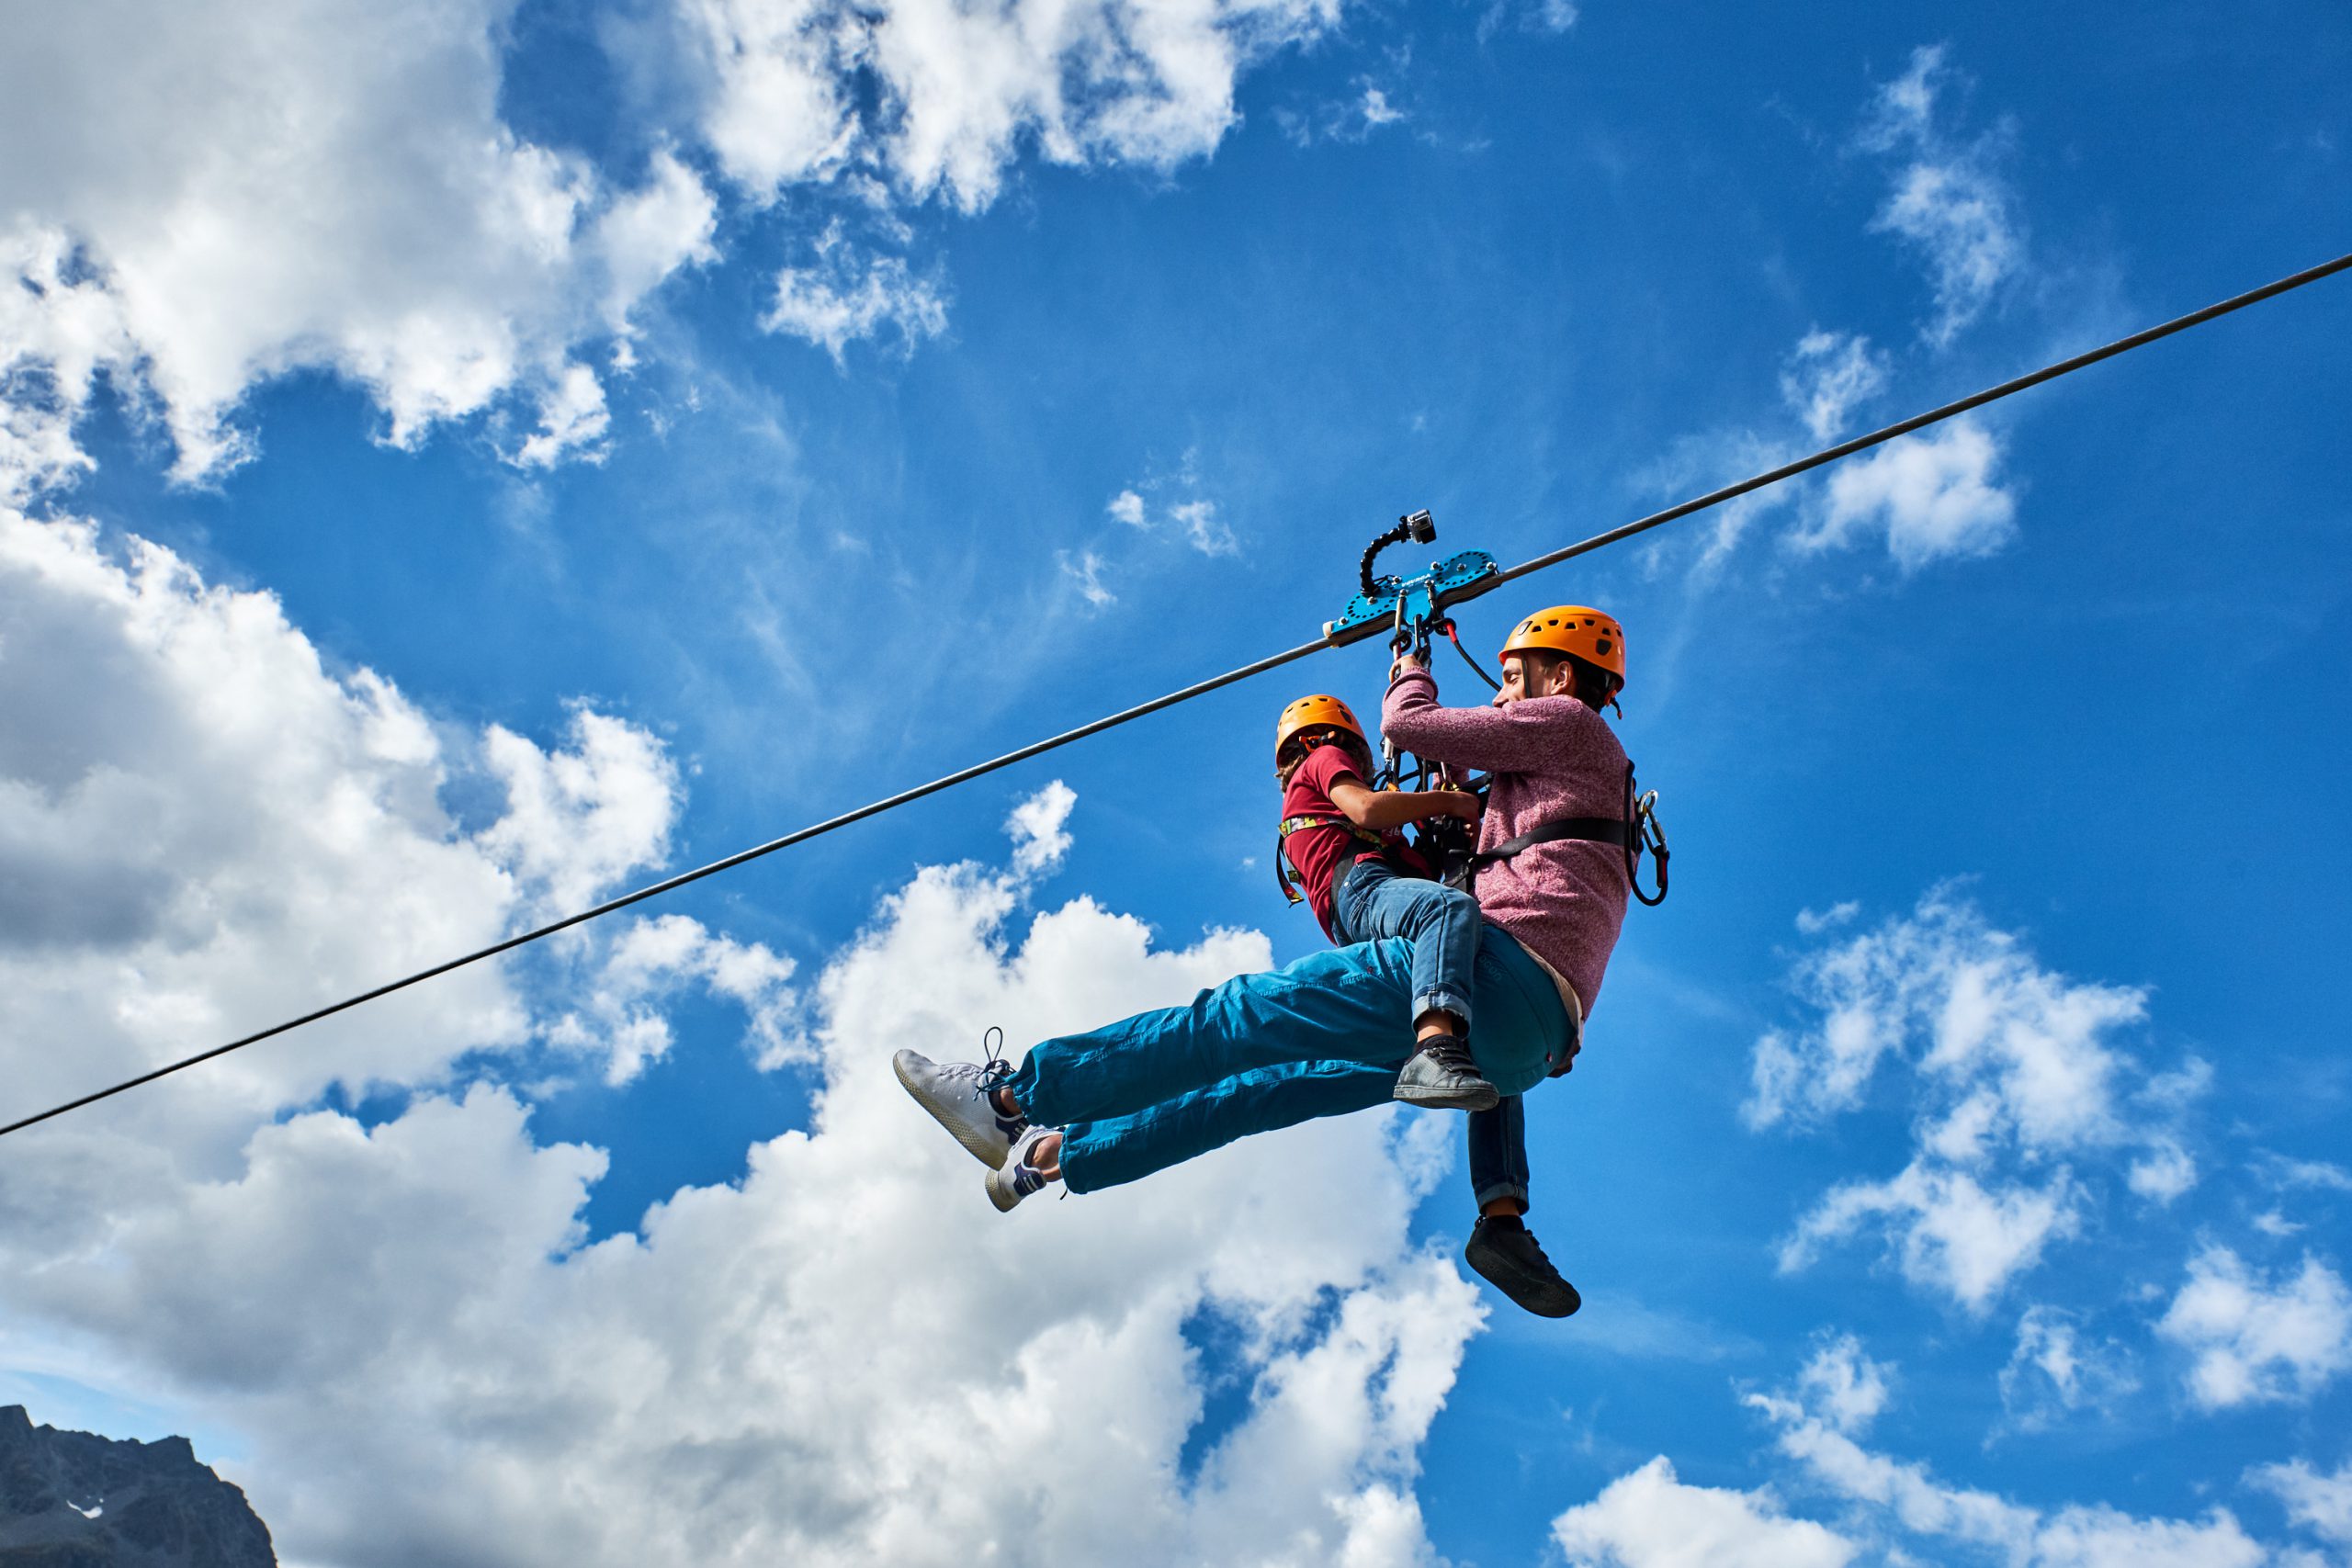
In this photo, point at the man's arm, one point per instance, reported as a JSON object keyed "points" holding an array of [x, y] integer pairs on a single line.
{"points": [[1523, 737]]}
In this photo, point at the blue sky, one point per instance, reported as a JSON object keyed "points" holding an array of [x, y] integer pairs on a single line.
{"points": [[455, 470]]}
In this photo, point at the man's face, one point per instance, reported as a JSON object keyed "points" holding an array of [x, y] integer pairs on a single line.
{"points": [[1526, 675]]}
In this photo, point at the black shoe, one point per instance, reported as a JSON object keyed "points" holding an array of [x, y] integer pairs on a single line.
{"points": [[1443, 1076], [1513, 1261]]}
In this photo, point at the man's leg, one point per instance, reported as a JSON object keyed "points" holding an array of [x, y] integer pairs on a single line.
{"points": [[1500, 1246], [1095, 1154], [1346, 1004]]}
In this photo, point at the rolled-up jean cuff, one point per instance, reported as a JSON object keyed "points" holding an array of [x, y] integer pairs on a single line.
{"points": [[1500, 1190], [1441, 1001]]}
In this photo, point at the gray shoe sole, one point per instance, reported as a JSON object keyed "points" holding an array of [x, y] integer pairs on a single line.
{"points": [[1475, 1095], [989, 1150]]}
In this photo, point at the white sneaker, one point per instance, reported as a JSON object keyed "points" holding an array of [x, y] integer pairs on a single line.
{"points": [[1016, 1177], [958, 1094]]}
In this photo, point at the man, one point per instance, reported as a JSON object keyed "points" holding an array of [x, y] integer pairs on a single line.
{"points": [[1330, 1033]]}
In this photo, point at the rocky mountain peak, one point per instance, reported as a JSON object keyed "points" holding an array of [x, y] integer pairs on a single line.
{"points": [[77, 1500]]}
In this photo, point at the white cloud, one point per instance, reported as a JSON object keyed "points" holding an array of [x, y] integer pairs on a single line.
{"points": [[1086, 571], [2319, 1502], [419, 1358], [1898, 1502], [1040, 830], [849, 296], [2055, 1372], [1127, 507], [1812, 922], [838, 1359], [1948, 201], [1934, 496], [573, 418], [291, 186], [577, 820], [1950, 1232], [202, 830], [1651, 1518], [955, 94], [1376, 109], [620, 1013], [1207, 532], [2013, 1078], [2253, 1341], [2287, 1175], [1844, 1385], [1828, 374]]}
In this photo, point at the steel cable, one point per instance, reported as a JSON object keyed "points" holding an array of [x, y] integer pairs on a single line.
{"points": [[1201, 688]]}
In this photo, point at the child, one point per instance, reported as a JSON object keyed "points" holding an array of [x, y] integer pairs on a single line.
{"points": [[1364, 883], [1363, 887]]}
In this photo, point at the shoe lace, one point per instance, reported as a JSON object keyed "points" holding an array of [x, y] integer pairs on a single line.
{"points": [[1450, 1052], [990, 1076]]}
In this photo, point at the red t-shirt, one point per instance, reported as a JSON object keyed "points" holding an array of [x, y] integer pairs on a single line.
{"points": [[1314, 852]]}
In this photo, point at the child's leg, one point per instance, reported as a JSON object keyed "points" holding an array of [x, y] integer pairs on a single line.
{"points": [[1372, 901], [1095, 1154], [1348, 1004]]}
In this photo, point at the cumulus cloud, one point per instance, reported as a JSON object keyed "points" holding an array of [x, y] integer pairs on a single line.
{"points": [[2318, 1502], [199, 203], [955, 94], [2251, 1340], [204, 831], [2014, 1078], [1127, 507], [398, 1320], [420, 1356], [623, 1018], [1845, 1387], [1934, 496], [1948, 201], [1040, 830], [321, 186], [1651, 1518]]}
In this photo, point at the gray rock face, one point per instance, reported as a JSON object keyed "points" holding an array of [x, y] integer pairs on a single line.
{"points": [[73, 1500]]}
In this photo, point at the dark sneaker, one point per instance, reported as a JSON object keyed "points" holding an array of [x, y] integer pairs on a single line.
{"points": [[1512, 1260], [960, 1096], [1443, 1076]]}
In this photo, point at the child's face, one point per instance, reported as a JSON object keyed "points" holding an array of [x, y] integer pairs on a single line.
{"points": [[1524, 677]]}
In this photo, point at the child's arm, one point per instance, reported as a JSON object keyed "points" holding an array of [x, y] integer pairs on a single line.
{"points": [[1380, 810]]}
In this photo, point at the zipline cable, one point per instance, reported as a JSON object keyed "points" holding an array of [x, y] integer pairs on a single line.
{"points": [[1202, 688]]}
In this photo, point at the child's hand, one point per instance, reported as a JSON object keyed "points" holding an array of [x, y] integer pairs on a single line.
{"points": [[1458, 802]]}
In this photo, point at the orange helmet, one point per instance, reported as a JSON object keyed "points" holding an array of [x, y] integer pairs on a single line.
{"points": [[1589, 634], [1314, 712]]}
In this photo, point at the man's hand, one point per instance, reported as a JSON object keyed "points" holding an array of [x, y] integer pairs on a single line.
{"points": [[1403, 662]]}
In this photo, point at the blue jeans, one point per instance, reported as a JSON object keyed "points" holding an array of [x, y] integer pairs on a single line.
{"points": [[1321, 1037], [1371, 900]]}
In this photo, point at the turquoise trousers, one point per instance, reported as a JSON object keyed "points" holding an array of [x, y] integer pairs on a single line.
{"points": [[1321, 1037]]}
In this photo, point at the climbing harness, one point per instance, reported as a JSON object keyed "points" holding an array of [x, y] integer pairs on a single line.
{"points": [[1362, 620], [1414, 610]]}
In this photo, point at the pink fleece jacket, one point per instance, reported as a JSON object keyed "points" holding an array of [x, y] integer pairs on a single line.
{"points": [[1549, 757]]}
